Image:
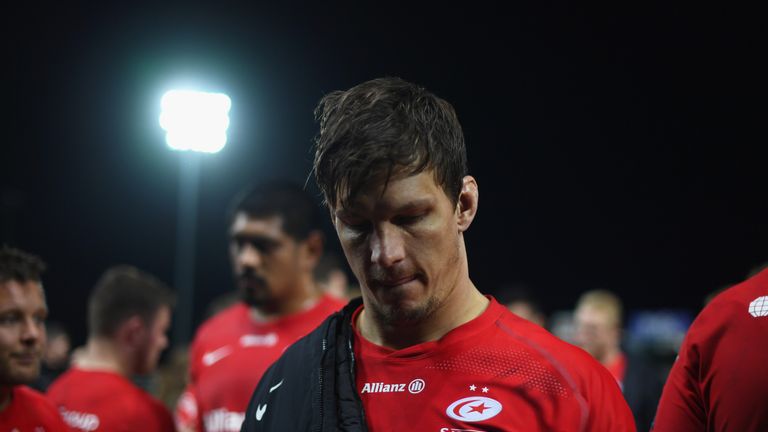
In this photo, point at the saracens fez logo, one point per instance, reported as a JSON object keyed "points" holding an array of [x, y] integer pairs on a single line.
{"points": [[474, 409], [759, 307]]}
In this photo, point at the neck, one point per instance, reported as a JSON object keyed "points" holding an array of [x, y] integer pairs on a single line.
{"points": [[464, 304], [102, 355], [302, 298]]}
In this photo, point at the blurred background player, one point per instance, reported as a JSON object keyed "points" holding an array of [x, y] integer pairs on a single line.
{"points": [[22, 340], [521, 302], [598, 329], [275, 244], [129, 312]]}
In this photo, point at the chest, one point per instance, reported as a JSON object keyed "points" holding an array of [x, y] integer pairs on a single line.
{"points": [[481, 392]]}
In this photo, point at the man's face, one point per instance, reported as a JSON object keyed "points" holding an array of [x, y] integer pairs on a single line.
{"points": [[22, 331], [404, 245], [266, 260], [595, 330], [155, 340]]}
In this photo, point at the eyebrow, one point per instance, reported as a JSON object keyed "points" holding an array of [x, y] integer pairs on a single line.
{"points": [[19, 309], [417, 204], [254, 238]]}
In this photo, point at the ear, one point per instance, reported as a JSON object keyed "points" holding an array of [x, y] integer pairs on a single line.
{"points": [[466, 206], [312, 249], [131, 332]]}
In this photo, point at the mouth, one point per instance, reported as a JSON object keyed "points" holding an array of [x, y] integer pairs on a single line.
{"points": [[393, 282], [27, 358], [251, 280]]}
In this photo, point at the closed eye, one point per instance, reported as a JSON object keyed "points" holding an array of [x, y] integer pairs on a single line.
{"points": [[10, 318], [408, 220], [358, 226]]}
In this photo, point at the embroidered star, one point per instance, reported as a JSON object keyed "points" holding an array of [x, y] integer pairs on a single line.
{"points": [[479, 408], [473, 387], [485, 389]]}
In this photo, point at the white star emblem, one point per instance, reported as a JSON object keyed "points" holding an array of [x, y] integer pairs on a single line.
{"points": [[473, 387], [485, 389]]}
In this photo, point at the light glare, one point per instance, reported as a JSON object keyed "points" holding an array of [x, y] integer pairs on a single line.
{"points": [[194, 120]]}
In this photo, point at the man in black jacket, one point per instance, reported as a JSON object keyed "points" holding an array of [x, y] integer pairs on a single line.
{"points": [[423, 349]]}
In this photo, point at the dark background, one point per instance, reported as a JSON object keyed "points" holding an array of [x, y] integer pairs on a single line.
{"points": [[615, 147]]}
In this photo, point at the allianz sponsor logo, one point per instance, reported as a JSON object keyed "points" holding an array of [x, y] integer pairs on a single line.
{"points": [[415, 386], [222, 420], [79, 420]]}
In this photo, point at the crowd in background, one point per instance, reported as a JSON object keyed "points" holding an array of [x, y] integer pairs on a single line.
{"points": [[638, 349], [289, 294]]}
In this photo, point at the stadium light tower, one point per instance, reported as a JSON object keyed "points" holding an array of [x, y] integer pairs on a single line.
{"points": [[195, 122]]}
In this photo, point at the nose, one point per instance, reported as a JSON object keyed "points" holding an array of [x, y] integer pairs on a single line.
{"points": [[33, 331], [248, 256], [387, 246]]}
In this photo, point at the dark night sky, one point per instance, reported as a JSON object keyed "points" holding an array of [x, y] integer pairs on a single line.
{"points": [[614, 148]]}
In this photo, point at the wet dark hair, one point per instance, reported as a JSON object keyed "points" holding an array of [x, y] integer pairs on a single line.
{"points": [[122, 292], [381, 128], [299, 211], [19, 266]]}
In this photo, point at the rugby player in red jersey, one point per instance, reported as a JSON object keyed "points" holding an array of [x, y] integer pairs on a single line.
{"points": [[424, 350], [719, 381], [23, 311], [275, 244], [129, 312]]}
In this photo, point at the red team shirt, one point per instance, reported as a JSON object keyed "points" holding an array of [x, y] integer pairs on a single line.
{"points": [[30, 411], [229, 355], [497, 372], [106, 401], [720, 379]]}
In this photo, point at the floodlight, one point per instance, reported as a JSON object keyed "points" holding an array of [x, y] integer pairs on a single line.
{"points": [[195, 120]]}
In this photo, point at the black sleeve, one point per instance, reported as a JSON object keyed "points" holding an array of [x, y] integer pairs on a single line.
{"points": [[258, 401], [282, 400]]}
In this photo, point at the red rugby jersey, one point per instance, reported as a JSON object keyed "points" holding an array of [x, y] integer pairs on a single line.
{"points": [[497, 372], [229, 355], [107, 401], [30, 411], [720, 379]]}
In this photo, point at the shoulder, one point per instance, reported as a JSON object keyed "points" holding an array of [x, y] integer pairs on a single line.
{"points": [[228, 318], [74, 383], [733, 310], [563, 366], [310, 345], [294, 380], [79, 378], [32, 397], [544, 345], [748, 298], [36, 405], [77, 385], [287, 386]]}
